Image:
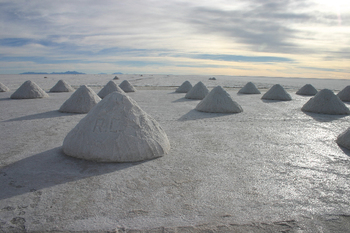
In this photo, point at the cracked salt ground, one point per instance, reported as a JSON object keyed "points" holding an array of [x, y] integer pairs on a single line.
{"points": [[269, 168]]}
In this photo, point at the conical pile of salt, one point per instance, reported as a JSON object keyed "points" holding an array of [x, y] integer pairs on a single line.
{"points": [[61, 86], [344, 139], [29, 90], [219, 101], [3, 88], [184, 88], [109, 88], [81, 101], [344, 94], [326, 102], [249, 88], [116, 130], [115, 78], [197, 92], [307, 89], [127, 87], [276, 92]]}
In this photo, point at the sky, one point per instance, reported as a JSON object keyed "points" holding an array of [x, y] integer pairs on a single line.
{"points": [[279, 38]]}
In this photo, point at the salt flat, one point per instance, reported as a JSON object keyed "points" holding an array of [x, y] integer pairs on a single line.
{"points": [[270, 168]]}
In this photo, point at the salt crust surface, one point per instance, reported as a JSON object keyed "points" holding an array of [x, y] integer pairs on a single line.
{"points": [[219, 101], [184, 88], [116, 130], [307, 89], [326, 102], [109, 88], [81, 101], [62, 86], [249, 88], [197, 92], [29, 90], [344, 139], [126, 86], [272, 163], [276, 92], [3, 88], [344, 94]]}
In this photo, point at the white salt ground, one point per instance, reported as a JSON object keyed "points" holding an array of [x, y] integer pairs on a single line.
{"points": [[271, 168], [197, 92], [184, 88], [116, 130], [326, 102], [307, 89], [81, 101], [29, 90], [3, 88], [62, 86], [249, 88], [218, 101], [126, 86], [344, 94], [276, 92], [109, 88]]}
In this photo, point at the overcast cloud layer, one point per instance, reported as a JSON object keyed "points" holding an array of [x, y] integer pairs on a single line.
{"points": [[272, 38]]}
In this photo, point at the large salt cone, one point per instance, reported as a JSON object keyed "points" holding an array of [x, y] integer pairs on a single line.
{"points": [[29, 90], [197, 92], [344, 94], [307, 89], [249, 88], [62, 86], [276, 92], [116, 130], [109, 88], [184, 88], [344, 139], [126, 86]]}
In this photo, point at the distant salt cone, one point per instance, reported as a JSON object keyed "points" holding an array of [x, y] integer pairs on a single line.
{"points": [[81, 101], [127, 87], [29, 90], [219, 101], [249, 88], [62, 86], [326, 102], [276, 92], [3, 88], [307, 89], [116, 130], [344, 94], [197, 92], [184, 88], [109, 88], [344, 139]]}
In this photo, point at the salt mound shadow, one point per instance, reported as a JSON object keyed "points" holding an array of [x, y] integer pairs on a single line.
{"points": [[116, 130], [218, 101], [29, 90], [326, 102]]}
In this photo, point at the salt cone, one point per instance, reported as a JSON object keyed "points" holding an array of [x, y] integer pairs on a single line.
{"points": [[344, 94], [62, 86], [219, 101], [197, 92], [126, 86], [81, 101], [344, 139], [3, 88], [276, 92], [249, 88], [29, 90], [184, 88], [326, 102], [307, 89], [109, 88], [116, 130]]}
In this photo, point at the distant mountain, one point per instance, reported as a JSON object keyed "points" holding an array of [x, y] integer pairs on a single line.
{"points": [[118, 73], [67, 72]]}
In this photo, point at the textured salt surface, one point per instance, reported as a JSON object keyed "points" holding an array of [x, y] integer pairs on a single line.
{"points": [[307, 89], [109, 88], [344, 139], [29, 90], [326, 102], [219, 101], [197, 92], [184, 88], [116, 130], [62, 86], [344, 94], [126, 86], [3, 88], [81, 101], [249, 88], [276, 92]]}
